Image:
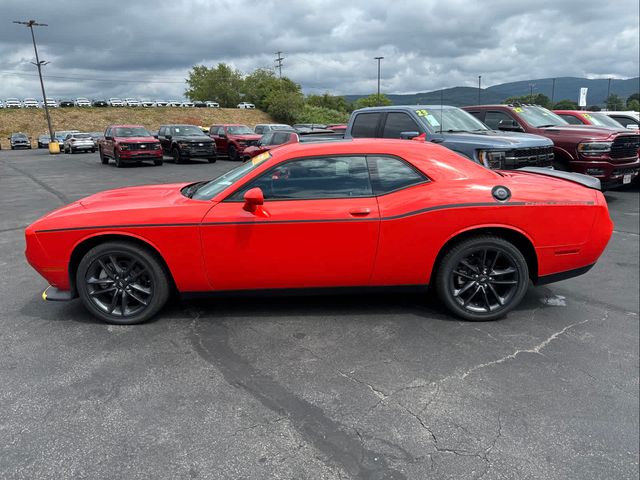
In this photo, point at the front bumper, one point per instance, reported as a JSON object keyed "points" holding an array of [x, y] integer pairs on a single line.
{"points": [[198, 152], [610, 174], [137, 155]]}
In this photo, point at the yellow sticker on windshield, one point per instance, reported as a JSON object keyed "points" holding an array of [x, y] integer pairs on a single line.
{"points": [[586, 115], [258, 159], [518, 110], [422, 113]]}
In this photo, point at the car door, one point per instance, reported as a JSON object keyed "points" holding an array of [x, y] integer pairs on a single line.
{"points": [[220, 137], [164, 142], [318, 227]]}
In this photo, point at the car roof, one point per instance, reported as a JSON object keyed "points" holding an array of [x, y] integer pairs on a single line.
{"points": [[407, 107]]}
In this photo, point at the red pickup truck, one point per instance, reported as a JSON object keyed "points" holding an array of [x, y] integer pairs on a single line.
{"points": [[129, 144], [232, 139], [608, 154]]}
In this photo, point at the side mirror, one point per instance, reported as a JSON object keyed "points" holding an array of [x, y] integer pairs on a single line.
{"points": [[222, 135], [408, 135], [108, 137], [509, 126], [252, 199]]}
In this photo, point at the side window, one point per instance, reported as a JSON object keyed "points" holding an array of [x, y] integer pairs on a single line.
{"points": [[214, 130], [478, 115], [365, 125], [267, 139], [279, 138], [624, 121], [313, 178], [162, 132], [570, 119], [259, 129], [493, 119], [389, 174], [107, 132], [397, 123]]}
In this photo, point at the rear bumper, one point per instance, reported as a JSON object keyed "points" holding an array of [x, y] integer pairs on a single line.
{"points": [[558, 277]]}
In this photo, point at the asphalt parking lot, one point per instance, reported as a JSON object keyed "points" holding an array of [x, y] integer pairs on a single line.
{"points": [[362, 387]]}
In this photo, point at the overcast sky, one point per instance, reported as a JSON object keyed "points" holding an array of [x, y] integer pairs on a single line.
{"points": [[145, 48]]}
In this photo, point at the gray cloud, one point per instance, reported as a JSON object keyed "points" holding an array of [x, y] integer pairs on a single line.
{"points": [[145, 48]]}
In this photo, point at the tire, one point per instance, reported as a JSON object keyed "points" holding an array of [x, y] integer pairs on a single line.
{"points": [[103, 159], [177, 157], [482, 278], [122, 283], [233, 153], [71, 150], [212, 159], [116, 158], [158, 163], [93, 150]]}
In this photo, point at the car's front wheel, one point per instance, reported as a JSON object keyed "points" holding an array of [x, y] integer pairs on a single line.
{"points": [[233, 154], [122, 283], [482, 278], [175, 153], [116, 158], [103, 159]]}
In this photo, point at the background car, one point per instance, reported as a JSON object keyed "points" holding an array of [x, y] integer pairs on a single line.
{"points": [[211, 104], [43, 140], [128, 144], [60, 135], [82, 102], [187, 104], [12, 103], [147, 103], [51, 103], [629, 119], [246, 105], [161, 103], [79, 142], [582, 117], [186, 141], [199, 104], [263, 128], [66, 103], [131, 102], [269, 141], [115, 102], [1, 104], [96, 136], [30, 103], [19, 140], [175, 103], [305, 127], [232, 138], [100, 103]]}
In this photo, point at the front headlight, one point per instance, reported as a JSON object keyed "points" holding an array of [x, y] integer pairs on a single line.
{"points": [[124, 146], [183, 145], [594, 149], [156, 146], [493, 159]]}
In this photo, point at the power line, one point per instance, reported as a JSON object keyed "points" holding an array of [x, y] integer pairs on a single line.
{"points": [[279, 59]]}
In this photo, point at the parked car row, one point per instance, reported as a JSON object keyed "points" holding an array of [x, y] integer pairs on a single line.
{"points": [[111, 102]]}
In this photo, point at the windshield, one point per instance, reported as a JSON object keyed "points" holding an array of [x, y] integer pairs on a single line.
{"points": [[189, 131], [450, 120], [81, 135], [239, 130], [210, 189], [19, 136], [131, 132], [601, 120], [539, 117]]}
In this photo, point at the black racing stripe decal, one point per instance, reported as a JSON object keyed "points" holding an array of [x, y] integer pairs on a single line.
{"points": [[327, 220]]}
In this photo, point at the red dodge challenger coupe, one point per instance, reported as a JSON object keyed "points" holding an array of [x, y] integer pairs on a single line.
{"points": [[360, 213]]}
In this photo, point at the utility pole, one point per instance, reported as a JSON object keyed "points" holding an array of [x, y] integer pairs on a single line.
{"points": [[279, 59], [479, 86], [39, 64], [553, 90], [378, 95], [531, 85], [608, 94]]}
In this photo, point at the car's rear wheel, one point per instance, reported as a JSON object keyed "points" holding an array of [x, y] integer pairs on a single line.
{"points": [[175, 154], [482, 278], [122, 283], [103, 159], [212, 159], [233, 153]]}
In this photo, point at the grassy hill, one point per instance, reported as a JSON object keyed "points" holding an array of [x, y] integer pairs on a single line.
{"points": [[33, 121]]}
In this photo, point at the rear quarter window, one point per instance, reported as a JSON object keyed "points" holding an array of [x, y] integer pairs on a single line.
{"points": [[389, 174], [365, 125]]}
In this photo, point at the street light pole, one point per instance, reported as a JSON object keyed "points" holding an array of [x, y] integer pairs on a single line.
{"points": [[378, 95], [479, 83], [531, 85], [553, 90], [39, 64], [608, 93]]}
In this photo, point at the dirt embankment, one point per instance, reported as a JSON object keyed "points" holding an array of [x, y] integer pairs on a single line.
{"points": [[33, 121]]}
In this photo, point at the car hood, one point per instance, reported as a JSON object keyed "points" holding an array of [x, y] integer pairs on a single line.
{"points": [[246, 137], [136, 139], [146, 196], [585, 131], [494, 139]]}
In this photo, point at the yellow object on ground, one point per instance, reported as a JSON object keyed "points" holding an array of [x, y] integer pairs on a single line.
{"points": [[54, 147]]}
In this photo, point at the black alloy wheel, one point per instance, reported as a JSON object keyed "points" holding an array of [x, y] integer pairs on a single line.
{"points": [[103, 159], [233, 153], [482, 278], [212, 159], [175, 153], [122, 283], [116, 158]]}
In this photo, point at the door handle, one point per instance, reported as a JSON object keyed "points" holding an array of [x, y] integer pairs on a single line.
{"points": [[359, 212]]}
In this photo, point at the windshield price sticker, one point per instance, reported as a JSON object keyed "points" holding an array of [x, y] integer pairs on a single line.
{"points": [[518, 110], [422, 113], [258, 159], [586, 115], [433, 121]]}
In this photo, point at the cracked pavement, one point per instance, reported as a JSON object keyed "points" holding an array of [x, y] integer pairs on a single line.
{"points": [[338, 387]]}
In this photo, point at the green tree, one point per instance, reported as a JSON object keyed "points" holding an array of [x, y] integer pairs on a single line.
{"points": [[634, 105], [614, 102], [372, 100], [285, 106], [537, 99], [221, 83], [313, 114], [331, 102], [565, 105], [631, 98]]}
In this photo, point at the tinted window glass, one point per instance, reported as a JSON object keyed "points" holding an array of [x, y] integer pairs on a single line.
{"points": [[280, 137], [624, 121], [570, 119], [266, 139], [397, 123], [493, 119], [389, 174], [162, 132], [364, 125], [314, 178], [259, 129]]}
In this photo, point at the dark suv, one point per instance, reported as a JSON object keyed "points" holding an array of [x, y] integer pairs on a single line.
{"points": [[186, 141]]}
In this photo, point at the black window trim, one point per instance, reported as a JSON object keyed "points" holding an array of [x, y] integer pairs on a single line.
{"points": [[366, 156]]}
